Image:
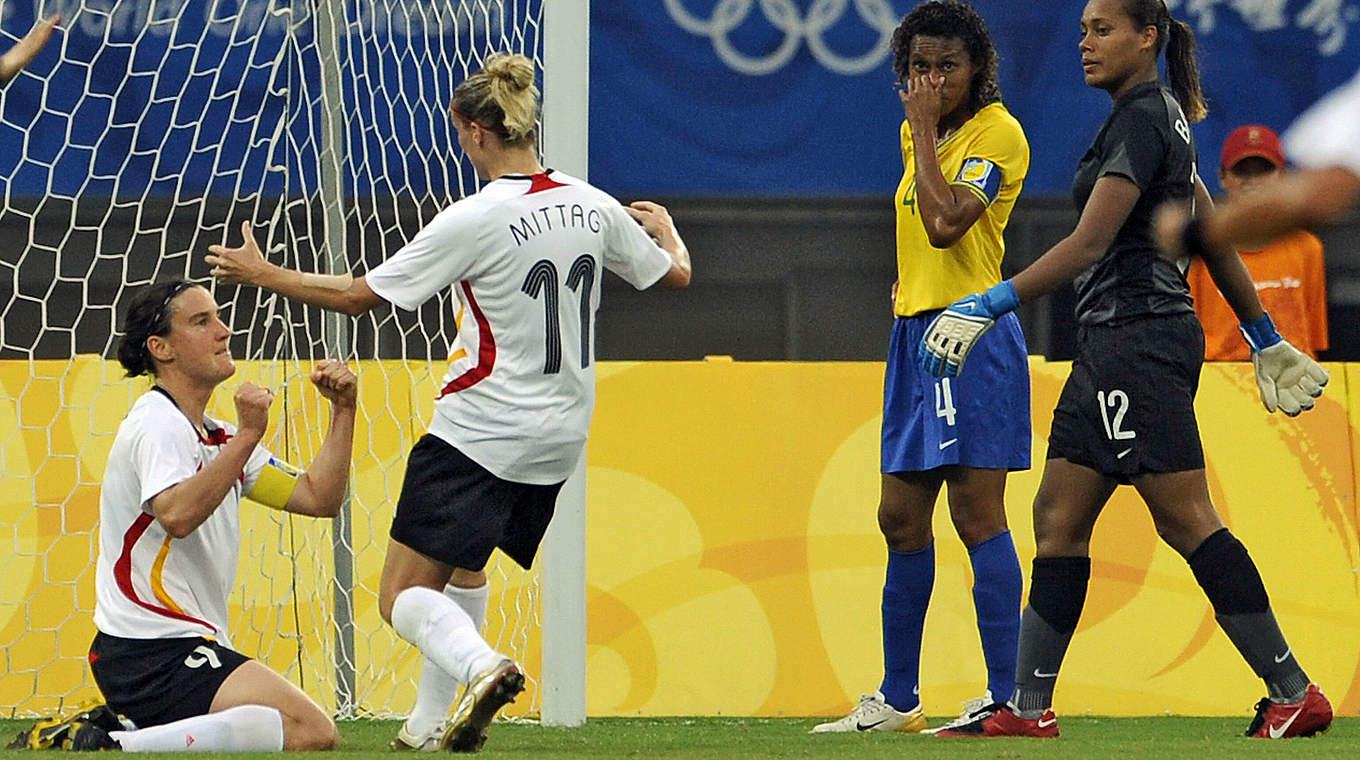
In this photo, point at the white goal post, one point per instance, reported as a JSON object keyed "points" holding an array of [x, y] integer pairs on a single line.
{"points": [[148, 130], [566, 114]]}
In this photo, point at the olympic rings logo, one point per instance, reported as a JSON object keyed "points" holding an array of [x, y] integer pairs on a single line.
{"points": [[787, 19]]}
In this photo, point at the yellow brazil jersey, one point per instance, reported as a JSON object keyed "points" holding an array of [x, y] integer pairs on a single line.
{"points": [[989, 156]]}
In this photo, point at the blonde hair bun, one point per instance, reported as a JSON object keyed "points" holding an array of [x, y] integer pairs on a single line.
{"points": [[514, 70], [502, 94]]}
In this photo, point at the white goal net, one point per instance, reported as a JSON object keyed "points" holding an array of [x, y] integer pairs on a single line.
{"points": [[146, 131]]}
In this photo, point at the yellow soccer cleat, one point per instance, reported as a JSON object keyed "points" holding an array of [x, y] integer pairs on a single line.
{"points": [[58, 733]]}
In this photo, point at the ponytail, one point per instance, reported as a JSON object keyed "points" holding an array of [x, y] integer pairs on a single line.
{"points": [[1183, 70], [501, 97], [1178, 39], [149, 314]]}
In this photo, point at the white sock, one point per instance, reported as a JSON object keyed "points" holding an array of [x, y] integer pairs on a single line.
{"points": [[436, 689], [245, 728], [474, 602], [442, 631]]}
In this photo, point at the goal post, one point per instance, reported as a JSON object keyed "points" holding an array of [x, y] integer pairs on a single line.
{"points": [[566, 114]]}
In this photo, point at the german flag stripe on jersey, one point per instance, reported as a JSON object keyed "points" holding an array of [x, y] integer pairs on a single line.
{"points": [[122, 573]]}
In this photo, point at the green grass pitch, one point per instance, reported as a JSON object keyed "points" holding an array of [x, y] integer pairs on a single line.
{"points": [[754, 738]]}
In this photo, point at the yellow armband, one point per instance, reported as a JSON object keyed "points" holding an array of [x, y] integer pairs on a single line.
{"points": [[275, 484]]}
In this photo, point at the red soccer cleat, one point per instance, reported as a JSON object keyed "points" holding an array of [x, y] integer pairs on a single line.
{"points": [[1003, 722], [1310, 715]]}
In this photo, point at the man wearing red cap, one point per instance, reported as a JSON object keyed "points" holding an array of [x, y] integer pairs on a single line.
{"points": [[1323, 143], [1288, 271]]}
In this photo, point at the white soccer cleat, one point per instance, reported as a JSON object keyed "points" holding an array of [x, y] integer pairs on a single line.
{"points": [[409, 742], [972, 709], [875, 714]]}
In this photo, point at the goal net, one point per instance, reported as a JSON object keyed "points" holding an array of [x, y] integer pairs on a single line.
{"points": [[145, 132]]}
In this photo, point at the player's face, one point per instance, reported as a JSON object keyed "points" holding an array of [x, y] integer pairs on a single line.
{"points": [[943, 58], [1247, 176], [198, 338], [1112, 48]]}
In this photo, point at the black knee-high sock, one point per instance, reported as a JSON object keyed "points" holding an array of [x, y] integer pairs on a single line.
{"points": [[1057, 593], [1233, 584]]}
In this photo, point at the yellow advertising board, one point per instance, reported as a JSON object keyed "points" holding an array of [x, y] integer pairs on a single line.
{"points": [[734, 564]]}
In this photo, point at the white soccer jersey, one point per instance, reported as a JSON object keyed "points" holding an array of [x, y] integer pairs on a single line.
{"points": [[149, 585], [1328, 134], [525, 257]]}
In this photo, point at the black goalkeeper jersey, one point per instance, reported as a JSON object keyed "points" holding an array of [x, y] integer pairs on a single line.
{"points": [[1146, 140]]}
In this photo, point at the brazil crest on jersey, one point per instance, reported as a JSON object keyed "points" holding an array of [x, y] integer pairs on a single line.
{"points": [[989, 157]]}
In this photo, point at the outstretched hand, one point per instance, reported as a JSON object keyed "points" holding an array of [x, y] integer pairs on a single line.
{"points": [[336, 382], [239, 266], [17, 57]]}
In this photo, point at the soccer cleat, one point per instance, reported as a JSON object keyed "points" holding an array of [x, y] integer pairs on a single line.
{"points": [[482, 699], [90, 737], [873, 713], [973, 709], [409, 742], [1307, 717], [57, 733], [1001, 721]]}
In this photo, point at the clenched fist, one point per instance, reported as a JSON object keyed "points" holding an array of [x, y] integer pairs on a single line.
{"points": [[252, 408], [336, 382]]}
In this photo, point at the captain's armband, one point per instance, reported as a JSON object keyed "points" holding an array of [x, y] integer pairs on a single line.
{"points": [[275, 484], [982, 177]]}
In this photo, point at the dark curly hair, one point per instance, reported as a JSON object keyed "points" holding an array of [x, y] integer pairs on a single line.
{"points": [[951, 19], [149, 314]]}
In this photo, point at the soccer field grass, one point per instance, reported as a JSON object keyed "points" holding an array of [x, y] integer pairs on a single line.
{"points": [[751, 738]]}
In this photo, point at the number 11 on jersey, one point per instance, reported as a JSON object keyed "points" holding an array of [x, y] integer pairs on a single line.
{"points": [[542, 280]]}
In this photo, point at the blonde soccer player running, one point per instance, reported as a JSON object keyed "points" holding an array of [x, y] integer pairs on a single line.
{"points": [[524, 256], [169, 541]]}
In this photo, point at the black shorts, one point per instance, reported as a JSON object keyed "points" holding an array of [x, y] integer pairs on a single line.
{"points": [[453, 510], [1128, 407], [155, 681]]}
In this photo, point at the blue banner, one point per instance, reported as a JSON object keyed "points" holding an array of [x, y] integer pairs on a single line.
{"points": [[794, 97], [179, 98], [184, 98]]}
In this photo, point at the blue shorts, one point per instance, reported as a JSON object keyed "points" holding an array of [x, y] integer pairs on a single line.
{"points": [[978, 419]]}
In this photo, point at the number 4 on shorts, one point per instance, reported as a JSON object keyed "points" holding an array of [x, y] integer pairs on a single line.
{"points": [[944, 401]]}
